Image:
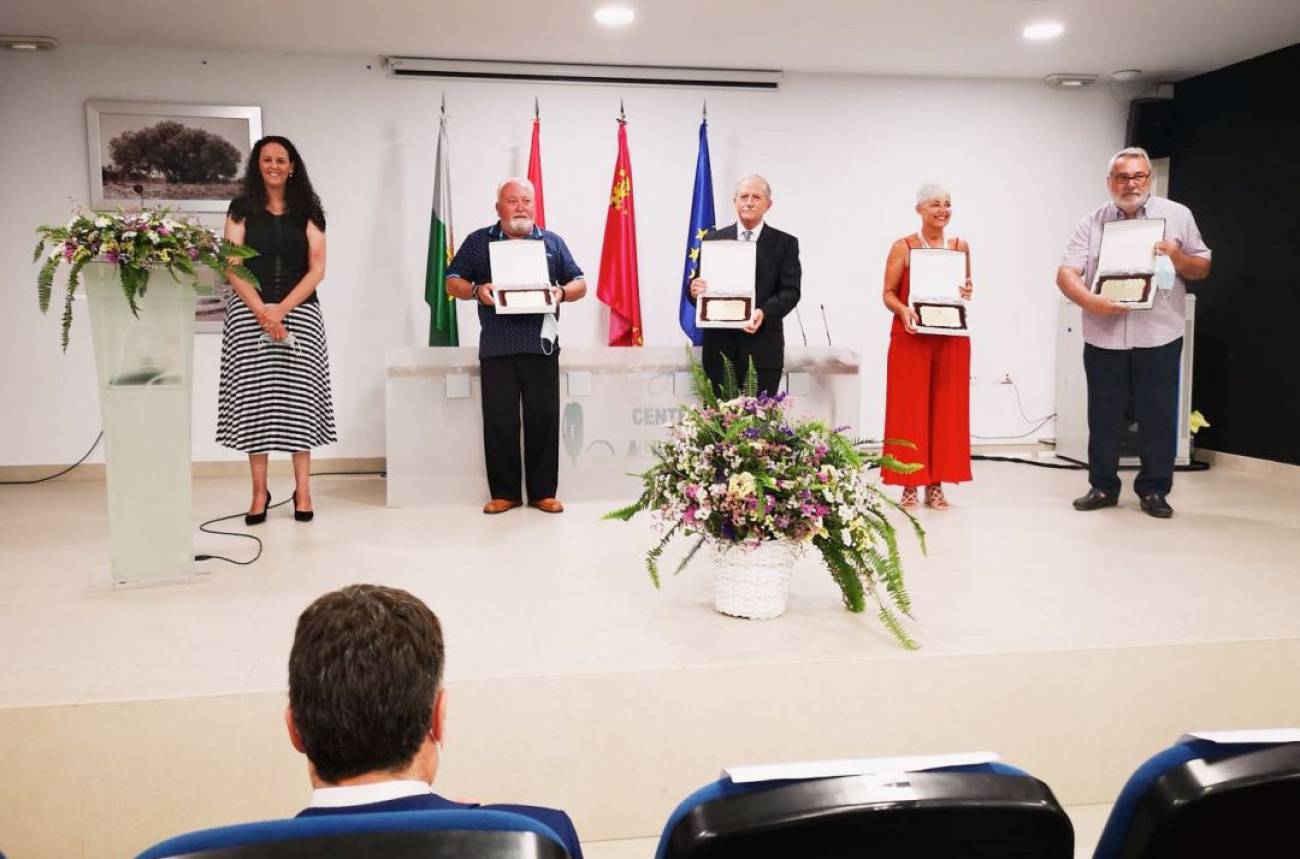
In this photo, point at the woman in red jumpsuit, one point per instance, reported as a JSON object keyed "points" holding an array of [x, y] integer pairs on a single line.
{"points": [[927, 399]]}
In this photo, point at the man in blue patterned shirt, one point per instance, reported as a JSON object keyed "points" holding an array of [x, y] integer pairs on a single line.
{"points": [[518, 356]]}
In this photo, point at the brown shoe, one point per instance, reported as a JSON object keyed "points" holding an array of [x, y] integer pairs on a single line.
{"points": [[548, 505], [501, 505]]}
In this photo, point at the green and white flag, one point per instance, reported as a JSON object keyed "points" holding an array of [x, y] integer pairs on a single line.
{"points": [[442, 244]]}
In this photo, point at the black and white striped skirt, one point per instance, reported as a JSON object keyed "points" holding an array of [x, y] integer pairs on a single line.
{"points": [[274, 396]]}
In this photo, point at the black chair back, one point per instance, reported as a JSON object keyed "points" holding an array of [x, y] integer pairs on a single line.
{"points": [[427, 844], [1242, 806], [926, 814]]}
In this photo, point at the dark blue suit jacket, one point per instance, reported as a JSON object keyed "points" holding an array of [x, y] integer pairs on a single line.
{"points": [[556, 820], [777, 280]]}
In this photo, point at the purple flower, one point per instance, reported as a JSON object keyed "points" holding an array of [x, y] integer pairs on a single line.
{"points": [[193, 252], [112, 257]]}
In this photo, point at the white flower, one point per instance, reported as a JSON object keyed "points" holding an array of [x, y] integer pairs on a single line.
{"points": [[102, 222]]}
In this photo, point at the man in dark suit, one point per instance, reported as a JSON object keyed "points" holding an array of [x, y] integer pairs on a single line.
{"points": [[367, 707], [776, 292]]}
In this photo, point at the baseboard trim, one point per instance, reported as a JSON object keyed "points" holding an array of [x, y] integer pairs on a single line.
{"points": [[1248, 464], [279, 467]]}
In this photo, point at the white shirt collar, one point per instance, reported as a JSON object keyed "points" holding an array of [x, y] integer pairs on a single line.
{"points": [[365, 794], [740, 231]]}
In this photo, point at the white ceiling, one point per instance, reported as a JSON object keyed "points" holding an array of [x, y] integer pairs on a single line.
{"points": [[1168, 39]]}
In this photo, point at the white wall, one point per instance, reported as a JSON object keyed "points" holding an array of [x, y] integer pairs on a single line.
{"points": [[844, 154]]}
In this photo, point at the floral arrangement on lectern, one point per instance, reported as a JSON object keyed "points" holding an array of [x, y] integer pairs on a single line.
{"points": [[137, 242], [738, 470]]}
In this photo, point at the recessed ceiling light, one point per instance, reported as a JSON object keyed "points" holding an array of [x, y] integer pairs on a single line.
{"points": [[28, 43], [1043, 30], [615, 16], [1069, 80]]}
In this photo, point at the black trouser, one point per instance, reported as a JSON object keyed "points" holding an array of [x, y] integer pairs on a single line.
{"points": [[534, 381], [769, 377], [1151, 377]]}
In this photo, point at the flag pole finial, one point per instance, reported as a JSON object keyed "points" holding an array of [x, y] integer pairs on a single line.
{"points": [[537, 111], [705, 115], [622, 117], [444, 102]]}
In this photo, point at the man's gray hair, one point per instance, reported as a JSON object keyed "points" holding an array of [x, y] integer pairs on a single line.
{"points": [[931, 191], [767, 186], [1129, 152], [517, 180]]}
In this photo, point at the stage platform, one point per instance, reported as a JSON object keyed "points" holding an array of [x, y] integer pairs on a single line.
{"points": [[1073, 644]]}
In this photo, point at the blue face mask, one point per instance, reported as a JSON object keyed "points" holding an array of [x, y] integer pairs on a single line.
{"points": [[1163, 273]]}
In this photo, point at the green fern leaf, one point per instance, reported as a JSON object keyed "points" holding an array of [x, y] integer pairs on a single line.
{"points": [[45, 283]]}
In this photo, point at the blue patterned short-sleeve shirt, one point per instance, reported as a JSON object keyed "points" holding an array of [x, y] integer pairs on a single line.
{"points": [[519, 334]]}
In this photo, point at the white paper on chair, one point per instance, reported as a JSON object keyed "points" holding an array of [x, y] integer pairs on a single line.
{"points": [[1251, 735], [729, 268], [855, 766], [935, 279], [1128, 247]]}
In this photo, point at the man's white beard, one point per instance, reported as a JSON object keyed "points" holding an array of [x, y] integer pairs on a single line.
{"points": [[1119, 202], [520, 225]]}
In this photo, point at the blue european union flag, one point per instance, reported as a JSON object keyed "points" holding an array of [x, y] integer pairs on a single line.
{"points": [[702, 220]]}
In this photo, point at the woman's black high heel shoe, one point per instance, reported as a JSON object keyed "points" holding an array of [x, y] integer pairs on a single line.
{"points": [[301, 515], [258, 518]]}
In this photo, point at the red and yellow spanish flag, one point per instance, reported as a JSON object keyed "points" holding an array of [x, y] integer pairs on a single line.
{"points": [[618, 286]]}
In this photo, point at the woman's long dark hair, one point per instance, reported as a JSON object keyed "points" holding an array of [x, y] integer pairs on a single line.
{"points": [[298, 194]]}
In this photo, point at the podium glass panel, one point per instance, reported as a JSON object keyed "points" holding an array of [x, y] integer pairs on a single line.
{"points": [[144, 367]]}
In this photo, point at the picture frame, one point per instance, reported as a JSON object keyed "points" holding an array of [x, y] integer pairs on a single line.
{"points": [[186, 157]]}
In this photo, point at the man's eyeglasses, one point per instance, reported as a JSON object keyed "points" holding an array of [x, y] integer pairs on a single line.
{"points": [[1125, 178]]}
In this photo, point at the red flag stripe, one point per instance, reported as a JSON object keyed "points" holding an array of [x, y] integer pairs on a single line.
{"points": [[535, 173]]}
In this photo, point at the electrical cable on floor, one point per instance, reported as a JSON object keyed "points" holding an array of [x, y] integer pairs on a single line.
{"points": [[93, 445], [258, 540]]}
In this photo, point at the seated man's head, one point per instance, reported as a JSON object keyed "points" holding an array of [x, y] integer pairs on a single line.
{"points": [[365, 687]]}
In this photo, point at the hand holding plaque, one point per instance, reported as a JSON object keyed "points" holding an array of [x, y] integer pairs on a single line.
{"points": [[728, 298], [520, 278], [936, 281], [1126, 262]]}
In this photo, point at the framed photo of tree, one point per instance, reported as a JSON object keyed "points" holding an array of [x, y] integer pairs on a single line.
{"points": [[188, 157]]}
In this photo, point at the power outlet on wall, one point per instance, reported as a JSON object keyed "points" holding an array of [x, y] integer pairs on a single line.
{"points": [[1005, 379]]}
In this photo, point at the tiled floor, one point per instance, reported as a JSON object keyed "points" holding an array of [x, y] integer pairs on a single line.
{"points": [[1011, 568]]}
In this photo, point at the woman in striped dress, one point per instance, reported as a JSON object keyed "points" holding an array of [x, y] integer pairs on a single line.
{"points": [[275, 384]]}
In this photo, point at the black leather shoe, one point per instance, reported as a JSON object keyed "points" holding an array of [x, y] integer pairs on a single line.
{"points": [[1095, 500], [1156, 505], [258, 518], [301, 515]]}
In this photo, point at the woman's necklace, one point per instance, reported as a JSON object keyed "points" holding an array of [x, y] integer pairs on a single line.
{"points": [[921, 238]]}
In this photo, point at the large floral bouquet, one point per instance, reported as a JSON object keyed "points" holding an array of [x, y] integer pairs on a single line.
{"points": [[739, 471], [137, 242]]}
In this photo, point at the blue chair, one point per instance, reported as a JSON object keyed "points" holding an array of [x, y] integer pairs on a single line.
{"points": [[478, 833], [1200, 799], [964, 811]]}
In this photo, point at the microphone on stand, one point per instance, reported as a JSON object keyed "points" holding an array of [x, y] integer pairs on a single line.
{"points": [[825, 326], [799, 319], [139, 189]]}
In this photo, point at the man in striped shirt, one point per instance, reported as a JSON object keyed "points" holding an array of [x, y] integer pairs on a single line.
{"points": [[1133, 351]]}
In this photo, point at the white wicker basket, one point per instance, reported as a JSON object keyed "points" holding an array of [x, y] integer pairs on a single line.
{"points": [[753, 583]]}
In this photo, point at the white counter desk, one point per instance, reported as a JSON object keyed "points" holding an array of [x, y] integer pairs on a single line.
{"points": [[614, 403]]}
